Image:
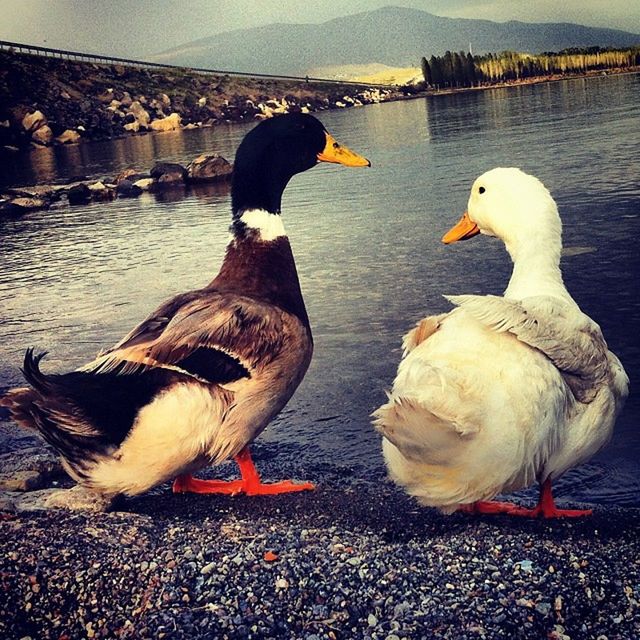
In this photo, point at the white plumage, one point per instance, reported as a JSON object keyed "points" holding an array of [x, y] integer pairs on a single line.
{"points": [[502, 391]]}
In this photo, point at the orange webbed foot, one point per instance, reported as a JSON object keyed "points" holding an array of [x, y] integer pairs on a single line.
{"points": [[550, 512], [488, 507], [250, 484], [275, 488], [188, 484]]}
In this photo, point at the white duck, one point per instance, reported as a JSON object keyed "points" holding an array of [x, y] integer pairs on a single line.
{"points": [[502, 391]]}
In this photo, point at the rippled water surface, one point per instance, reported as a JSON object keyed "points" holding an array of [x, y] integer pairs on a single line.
{"points": [[366, 243]]}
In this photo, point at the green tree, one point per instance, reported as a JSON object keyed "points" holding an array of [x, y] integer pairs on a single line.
{"points": [[426, 71]]}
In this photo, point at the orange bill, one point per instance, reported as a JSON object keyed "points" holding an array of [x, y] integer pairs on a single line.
{"points": [[334, 152], [466, 228]]}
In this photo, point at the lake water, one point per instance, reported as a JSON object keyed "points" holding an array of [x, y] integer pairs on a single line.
{"points": [[367, 245]]}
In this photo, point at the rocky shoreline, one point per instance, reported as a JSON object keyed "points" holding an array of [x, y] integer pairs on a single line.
{"points": [[355, 558], [45, 101], [130, 183]]}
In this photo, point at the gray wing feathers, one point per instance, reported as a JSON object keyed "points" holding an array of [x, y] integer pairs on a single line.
{"points": [[569, 338]]}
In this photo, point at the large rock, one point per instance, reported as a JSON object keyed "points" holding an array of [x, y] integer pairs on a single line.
{"points": [[33, 121], [209, 168], [169, 174], [29, 204], [79, 194], [126, 189], [43, 135], [169, 123], [126, 100], [28, 469], [76, 499], [140, 114], [46, 191], [100, 191], [68, 136], [129, 174], [144, 183]]}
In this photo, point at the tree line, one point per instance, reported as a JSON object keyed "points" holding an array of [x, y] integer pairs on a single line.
{"points": [[462, 69]]}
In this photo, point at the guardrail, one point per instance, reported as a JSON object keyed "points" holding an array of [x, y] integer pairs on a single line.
{"points": [[76, 56]]}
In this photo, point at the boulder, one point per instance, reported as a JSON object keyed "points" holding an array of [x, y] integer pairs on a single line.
{"points": [[31, 469], [100, 191], [105, 96], [126, 189], [209, 168], [43, 135], [33, 121], [43, 191], [29, 204], [77, 499], [6, 207], [79, 194], [140, 114], [169, 174], [144, 183], [169, 123], [134, 126], [69, 136], [129, 174]]}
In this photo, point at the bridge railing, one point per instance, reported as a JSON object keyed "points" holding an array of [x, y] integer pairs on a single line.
{"points": [[77, 56]]}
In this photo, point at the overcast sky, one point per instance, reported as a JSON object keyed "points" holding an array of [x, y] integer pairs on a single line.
{"points": [[135, 28]]}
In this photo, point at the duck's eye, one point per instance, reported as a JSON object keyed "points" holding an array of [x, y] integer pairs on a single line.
{"points": [[336, 145], [481, 190]]}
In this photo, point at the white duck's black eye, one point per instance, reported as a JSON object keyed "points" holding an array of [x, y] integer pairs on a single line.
{"points": [[481, 190]]}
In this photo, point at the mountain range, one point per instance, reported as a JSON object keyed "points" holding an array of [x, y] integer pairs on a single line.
{"points": [[394, 36]]}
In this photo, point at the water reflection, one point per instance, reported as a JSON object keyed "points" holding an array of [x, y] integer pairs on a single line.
{"points": [[106, 158]]}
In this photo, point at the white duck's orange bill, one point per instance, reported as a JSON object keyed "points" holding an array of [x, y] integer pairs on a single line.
{"points": [[466, 228]]}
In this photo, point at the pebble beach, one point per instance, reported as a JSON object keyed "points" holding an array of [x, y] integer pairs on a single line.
{"points": [[355, 558]]}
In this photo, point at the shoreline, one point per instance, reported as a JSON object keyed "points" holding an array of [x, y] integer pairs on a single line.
{"points": [[223, 100], [355, 558]]}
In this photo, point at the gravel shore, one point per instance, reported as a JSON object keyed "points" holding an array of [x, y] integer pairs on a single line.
{"points": [[353, 559]]}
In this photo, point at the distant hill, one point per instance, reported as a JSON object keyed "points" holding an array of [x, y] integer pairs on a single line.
{"points": [[392, 36]]}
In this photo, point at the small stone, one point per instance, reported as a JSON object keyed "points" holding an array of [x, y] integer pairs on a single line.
{"points": [[543, 608], [372, 621], [208, 568], [525, 565], [282, 583]]}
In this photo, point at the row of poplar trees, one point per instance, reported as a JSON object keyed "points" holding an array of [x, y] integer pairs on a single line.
{"points": [[462, 69]]}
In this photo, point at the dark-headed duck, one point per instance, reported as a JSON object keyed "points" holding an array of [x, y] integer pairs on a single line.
{"points": [[197, 381]]}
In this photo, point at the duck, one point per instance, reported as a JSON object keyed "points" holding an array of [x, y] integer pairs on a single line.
{"points": [[502, 391], [199, 379]]}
